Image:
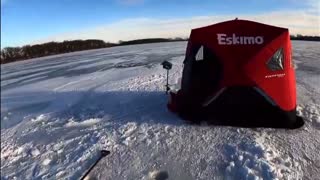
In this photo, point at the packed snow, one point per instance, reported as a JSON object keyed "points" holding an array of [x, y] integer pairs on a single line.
{"points": [[58, 112]]}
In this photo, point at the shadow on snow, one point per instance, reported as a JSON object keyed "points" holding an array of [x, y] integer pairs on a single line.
{"points": [[112, 106]]}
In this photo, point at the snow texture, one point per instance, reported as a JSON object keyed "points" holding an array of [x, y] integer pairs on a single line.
{"points": [[57, 112]]}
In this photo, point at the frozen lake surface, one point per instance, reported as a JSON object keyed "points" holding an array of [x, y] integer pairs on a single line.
{"points": [[57, 112]]}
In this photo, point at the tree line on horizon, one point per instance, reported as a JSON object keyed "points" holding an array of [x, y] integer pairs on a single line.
{"points": [[304, 38], [12, 54]]}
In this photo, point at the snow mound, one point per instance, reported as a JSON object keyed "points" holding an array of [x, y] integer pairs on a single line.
{"points": [[88, 122], [39, 118], [310, 112], [158, 175]]}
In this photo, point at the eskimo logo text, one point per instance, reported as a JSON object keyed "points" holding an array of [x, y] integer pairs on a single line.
{"points": [[223, 39]]}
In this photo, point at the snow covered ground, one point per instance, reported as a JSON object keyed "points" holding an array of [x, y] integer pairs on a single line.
{"points": [[57, 112]]}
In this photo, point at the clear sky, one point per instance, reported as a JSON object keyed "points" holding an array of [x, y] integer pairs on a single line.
{"points": [[35, 21]]}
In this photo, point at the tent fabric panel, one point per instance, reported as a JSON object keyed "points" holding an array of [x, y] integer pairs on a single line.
{"points": [[279, 84], [236, 29]]}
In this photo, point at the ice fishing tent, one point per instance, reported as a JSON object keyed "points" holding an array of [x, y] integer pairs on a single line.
{"points": [[238, 73]]}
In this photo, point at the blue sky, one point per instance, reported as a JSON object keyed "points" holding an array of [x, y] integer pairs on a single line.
{"points": [[35, 21]]}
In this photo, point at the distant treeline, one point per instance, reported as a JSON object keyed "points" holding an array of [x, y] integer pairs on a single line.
{"points": [[153, 40], [11, 54], [305, 38]]}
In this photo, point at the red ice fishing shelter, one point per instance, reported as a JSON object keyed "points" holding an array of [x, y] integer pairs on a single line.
{"points": [[238, 73]]}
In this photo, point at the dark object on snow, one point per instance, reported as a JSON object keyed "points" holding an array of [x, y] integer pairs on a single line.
{"points": [[238, 73], [161, 175], [167, 65], [103, 153]]}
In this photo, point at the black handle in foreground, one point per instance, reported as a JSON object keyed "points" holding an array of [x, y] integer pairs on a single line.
{"points": [[103, 153]]}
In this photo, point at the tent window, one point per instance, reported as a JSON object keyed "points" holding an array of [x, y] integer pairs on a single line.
{"points": [[199, 55], [276, 62], [205, 73]]}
